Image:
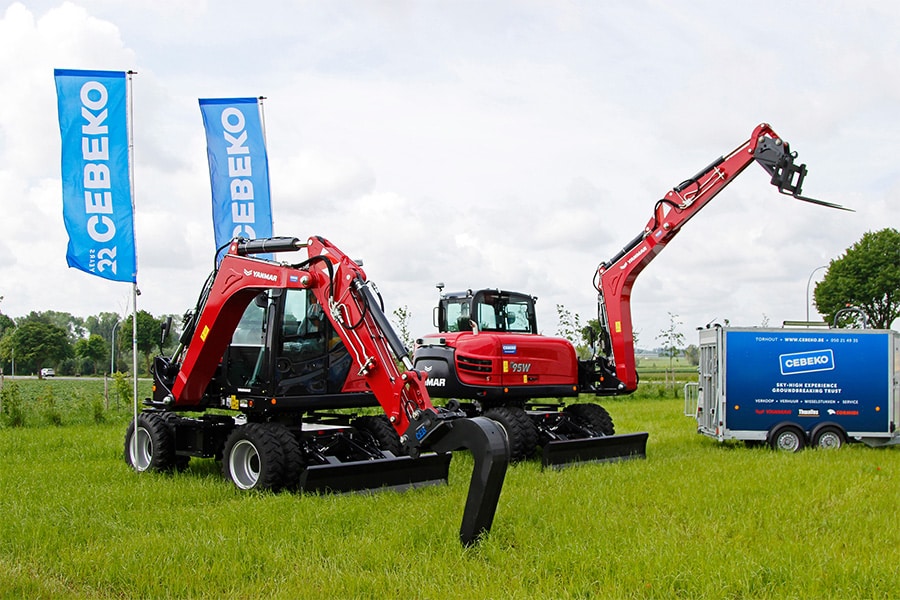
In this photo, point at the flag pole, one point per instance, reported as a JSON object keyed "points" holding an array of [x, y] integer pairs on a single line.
{"points": [[262, 124], [135, 292]]}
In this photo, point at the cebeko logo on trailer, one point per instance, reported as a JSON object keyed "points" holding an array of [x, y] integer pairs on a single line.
{"points": [[806, 362]]}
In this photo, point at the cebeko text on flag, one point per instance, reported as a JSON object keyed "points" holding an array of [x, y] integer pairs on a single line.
{"points": [[238, 169], [97, 203]]}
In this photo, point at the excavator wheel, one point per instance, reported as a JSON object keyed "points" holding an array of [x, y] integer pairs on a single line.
{"points": [[180, 462], [293, 457], [381, 431], [520, 431], [254, 457], [591, 416], [154, 448]]}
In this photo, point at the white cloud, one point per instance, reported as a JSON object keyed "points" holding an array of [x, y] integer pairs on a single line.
{"points": [[507, 144]]}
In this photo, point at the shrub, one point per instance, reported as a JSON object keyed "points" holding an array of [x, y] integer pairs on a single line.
{"points": [[12, 414], [49, 409]]}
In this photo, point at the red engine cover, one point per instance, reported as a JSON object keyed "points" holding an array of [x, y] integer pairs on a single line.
{"points": [[512, 359]]}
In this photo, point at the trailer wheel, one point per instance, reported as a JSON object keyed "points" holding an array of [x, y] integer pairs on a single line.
{"points": [[253, 458], [520, 431], [828, 437], [789, 438], [154, 449], [591, 416], [381, 431]]}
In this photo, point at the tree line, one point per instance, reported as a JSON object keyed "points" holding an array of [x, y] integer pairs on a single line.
{"points": [[866, 278], [74, 345]]}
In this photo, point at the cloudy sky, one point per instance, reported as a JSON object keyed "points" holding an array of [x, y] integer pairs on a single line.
{"points": [[481, 144]]}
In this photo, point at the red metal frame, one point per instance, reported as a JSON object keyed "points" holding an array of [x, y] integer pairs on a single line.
{"points": [[331, 279], [615, 278]]}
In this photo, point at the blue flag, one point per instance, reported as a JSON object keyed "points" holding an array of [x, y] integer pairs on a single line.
{"points": [[97, 206], [238, 169]]}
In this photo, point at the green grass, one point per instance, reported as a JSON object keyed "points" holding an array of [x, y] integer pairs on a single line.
{"points": [[59, 402], [697, 519]]}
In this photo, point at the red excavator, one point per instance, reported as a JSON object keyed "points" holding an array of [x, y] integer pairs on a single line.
{"points": [[271, 372], [489, 359]]}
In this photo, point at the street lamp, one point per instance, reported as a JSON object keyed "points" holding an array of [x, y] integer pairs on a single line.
{"points": [[809, 281], [112, 349]]}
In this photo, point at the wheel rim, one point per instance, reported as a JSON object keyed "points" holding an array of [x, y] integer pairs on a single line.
{"points": [[141, 449], [789, 440], [829, 440], [244, 464]]}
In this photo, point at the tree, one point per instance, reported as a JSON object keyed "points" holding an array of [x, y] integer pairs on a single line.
{"points": [[403, 315], [569, 327], [692, 354], [673, 340], [5, 323], [149, 333], [36, 343], [866, 276], [102, 324], [92, 348]]}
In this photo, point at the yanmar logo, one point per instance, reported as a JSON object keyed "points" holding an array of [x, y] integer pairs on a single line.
{"points": [[637, 255], [807, 362], [260, 275]]}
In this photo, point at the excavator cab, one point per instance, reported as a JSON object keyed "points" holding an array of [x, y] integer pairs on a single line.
{"points": [[486, 310], [307, 357]]}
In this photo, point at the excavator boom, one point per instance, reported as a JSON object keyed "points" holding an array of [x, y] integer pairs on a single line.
{"points": [[615, 277]]}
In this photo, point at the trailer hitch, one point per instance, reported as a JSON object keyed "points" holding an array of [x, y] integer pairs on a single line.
{"points": [[486, 440]]}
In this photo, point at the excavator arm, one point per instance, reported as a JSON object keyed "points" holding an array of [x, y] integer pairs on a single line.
{"points": [[354, 309], [614, 278]]}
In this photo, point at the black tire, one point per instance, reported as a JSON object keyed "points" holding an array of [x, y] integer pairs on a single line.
{"points": [[829, 437], [253, 458], [293, 457], [788, 438], [381, 431], [155, 448], [180, 463], [593, 417], [520, 431]]}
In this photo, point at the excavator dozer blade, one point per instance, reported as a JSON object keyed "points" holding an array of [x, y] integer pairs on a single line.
{"points": [[487, 442], [394, 473], [612, 448]]}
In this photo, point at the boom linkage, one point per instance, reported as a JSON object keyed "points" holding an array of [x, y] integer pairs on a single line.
{"points": [[614, 278]]}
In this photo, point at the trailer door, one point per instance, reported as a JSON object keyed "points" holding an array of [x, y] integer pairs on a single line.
{"points": [[707, 399]]}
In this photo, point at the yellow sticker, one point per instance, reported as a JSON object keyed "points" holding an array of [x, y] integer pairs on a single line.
{"points": [[618, 326], [506, 366], [204, 333], [524, 378], [234, 403]]}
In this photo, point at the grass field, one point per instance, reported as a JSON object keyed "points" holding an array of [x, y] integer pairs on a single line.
{"points": [[695, 520]]}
